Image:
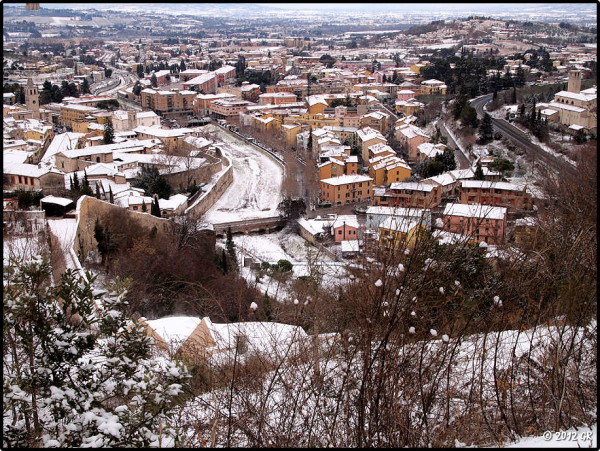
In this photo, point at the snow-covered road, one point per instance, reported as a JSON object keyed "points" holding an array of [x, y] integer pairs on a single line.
{"points": [[256, 188]]}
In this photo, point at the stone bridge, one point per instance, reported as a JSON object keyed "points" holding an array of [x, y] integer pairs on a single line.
{"points": [[250, 225]]}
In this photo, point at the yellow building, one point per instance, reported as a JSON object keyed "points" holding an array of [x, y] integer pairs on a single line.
{"points": [[398, 232], [431, 87], [290, 133], [313, 120], [346, 189], [388, 169], [70, 113]]}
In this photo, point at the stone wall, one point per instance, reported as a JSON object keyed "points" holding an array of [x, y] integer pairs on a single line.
{"points": [[89, 209], [179, 180], [207, 199]]}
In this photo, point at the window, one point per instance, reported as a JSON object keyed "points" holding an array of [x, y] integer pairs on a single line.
{"points": [[97, 159], [339, 232], [135, 207]]}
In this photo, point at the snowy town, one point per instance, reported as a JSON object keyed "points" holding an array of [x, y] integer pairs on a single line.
{"points": [[249, 225]]}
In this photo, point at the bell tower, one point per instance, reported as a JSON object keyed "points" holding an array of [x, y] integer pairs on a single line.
{"points": [[32, 98], [574, 81]]}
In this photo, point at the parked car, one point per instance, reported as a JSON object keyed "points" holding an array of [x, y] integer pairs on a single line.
{"points": [[324, 204]]}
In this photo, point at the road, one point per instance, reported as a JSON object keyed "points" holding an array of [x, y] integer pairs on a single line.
{"points": [[533, 152], [462, 162]]}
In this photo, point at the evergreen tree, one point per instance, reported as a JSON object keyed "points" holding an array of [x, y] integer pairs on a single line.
{"points": [[76, 186], [144, 208], [137, 88], [85, 86], [182, 66], [153, 81], [155, 208], [522, 111], [486, 130], [479, 173], [224, 266], [109, 133], [76, 378], [532, 117], [111, 197], [514, 96], [71, 183], [230, 246]]}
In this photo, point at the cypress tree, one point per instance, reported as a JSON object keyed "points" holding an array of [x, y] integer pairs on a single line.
{"points": [[230, 245], [109, 133], [155, 208], [76, 186], [479, 173], [144, 208], [111, 197]]}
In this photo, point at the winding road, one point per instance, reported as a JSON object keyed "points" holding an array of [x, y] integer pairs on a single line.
{"points": [[533, 152]]}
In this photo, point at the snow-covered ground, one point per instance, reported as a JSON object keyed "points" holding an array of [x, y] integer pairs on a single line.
{"points": [[64, 230], [256, 188], [583, 437], [288, 246]]}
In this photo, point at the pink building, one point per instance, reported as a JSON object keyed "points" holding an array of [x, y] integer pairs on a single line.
{"points": [[345, 228], [481, 222], [277, 98]]}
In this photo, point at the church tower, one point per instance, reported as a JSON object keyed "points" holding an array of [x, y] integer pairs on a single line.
{"points": [[574, 81], [32, 98]]}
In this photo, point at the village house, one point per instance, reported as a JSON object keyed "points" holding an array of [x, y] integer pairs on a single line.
{"points": [[433, 87], [385, 167], [368, 137], [345, 228], [31, 177], [411, 137], [128, 120], [480, 222], [226, 108], [197, 339], [346, 189], [316, 229], [168, 103], [410, 194], [399, 232], [376, 215], [501, 194]]}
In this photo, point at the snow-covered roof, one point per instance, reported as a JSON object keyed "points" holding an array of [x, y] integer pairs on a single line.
{"points": [[491, 185], [175, 329], [162, 132], [260, 337], [430, 149], [314, 226], [475, 211], [344, 179], [414, 186], [395, 211], [398, 223], [581, 96], [29, 170], [460, 174], [443, 179], [368, 133], [350, 246], [57, 200], [348, 220], [60, 143], [172, 202]]}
